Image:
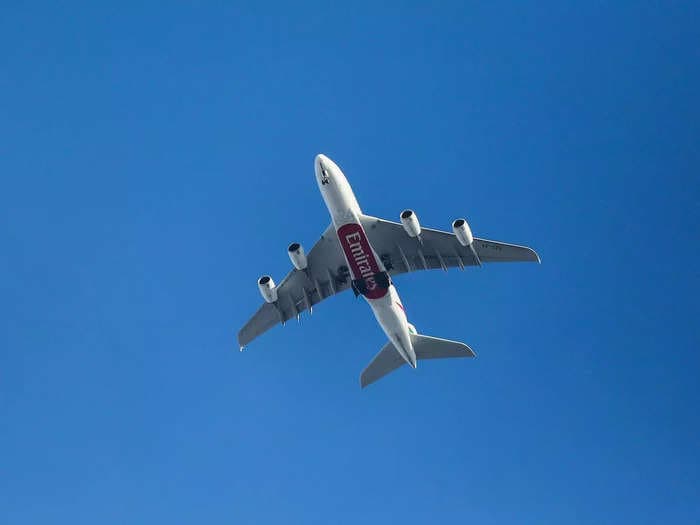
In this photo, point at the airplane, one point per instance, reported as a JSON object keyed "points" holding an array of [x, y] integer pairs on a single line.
{"points": [[364, 253]]}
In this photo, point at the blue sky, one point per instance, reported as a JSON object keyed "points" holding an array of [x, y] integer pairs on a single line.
{"points": [[155, 162]]}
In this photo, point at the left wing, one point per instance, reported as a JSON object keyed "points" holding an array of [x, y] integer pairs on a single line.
{"points": [[436, 249], [326, 274]]}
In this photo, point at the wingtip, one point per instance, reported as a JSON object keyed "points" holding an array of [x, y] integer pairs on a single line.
{"points": [[364, 383], [241, 340]]}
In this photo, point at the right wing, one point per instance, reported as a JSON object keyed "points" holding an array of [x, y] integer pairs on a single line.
{"points": [[326, 274], [438, 249]]}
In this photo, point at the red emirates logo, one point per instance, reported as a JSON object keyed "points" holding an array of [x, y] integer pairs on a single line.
{"points": [[361, 260]]}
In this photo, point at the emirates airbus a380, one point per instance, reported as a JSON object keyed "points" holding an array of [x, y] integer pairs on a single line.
{"points": [[363, 253]]}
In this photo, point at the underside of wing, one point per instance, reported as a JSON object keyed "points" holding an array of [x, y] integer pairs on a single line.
{"points": [[496, 251], [436, 249], [326, 274]]}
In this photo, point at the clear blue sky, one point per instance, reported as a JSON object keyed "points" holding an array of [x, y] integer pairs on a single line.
{"points": [[155, 161]]}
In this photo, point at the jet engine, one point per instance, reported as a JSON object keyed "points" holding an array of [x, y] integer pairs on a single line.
{"points": [[267, 288], [297, 255], [463, 232], [409, 219]]}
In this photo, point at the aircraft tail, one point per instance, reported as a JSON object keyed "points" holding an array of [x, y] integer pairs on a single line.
{"points": [[426, 347]]}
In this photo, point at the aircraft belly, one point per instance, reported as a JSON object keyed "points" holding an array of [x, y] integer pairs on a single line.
{"points": [[363, 262], [394, 324]]}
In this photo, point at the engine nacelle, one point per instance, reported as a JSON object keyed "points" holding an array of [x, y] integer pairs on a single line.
{"points": [[267, 288], [409, 219], [463, 232], [297, 255]]}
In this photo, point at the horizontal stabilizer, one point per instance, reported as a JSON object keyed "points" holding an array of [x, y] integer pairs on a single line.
{"points": [[388, 359], [427, 347]]}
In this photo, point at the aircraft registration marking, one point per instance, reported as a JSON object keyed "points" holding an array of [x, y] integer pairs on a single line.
{"points": [[494, 247]]}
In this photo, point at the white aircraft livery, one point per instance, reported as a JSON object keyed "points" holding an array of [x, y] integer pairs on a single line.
{"points": [[363, 253]]}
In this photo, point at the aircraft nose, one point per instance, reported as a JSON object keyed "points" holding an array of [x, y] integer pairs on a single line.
{"points": [[321, 167], [320, 160]]}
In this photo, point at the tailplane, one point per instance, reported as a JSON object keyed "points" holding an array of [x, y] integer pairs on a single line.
{"points": [[426, 347]]}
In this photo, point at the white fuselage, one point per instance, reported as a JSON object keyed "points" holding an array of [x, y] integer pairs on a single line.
{"points": [[362, 261]]}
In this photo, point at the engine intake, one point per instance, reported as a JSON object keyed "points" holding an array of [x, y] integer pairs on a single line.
{"points": [[463, 232], [267, 288], [410, 223], [297, 256]]}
